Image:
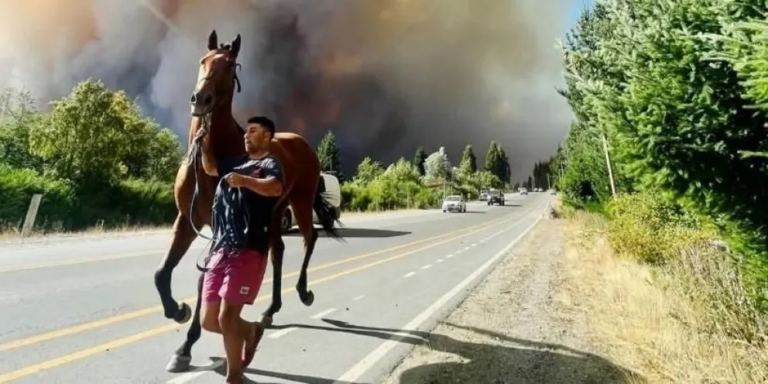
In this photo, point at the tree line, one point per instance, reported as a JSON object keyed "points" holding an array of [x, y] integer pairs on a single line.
{"points": [[670, 99], [99, 161], [418, 183]]}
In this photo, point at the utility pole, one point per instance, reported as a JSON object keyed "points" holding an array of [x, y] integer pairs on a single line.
{"points": [[549, 184], [608, 165]]}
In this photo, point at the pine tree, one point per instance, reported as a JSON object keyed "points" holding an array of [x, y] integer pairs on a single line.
{"points": [[468, 164], [497, 162], [492, 159], [330, 158], [504, 168], [418, 160]]}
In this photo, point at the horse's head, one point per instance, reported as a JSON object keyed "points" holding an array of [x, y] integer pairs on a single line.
{"points": [[217, 76]]}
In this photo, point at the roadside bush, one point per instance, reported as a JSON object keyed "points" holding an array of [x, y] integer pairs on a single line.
{"points": [[647, 227], [17, 186], [64, 207]]}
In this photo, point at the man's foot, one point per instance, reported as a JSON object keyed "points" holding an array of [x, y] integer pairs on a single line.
{"points": [[235, 379], [249, 349]]}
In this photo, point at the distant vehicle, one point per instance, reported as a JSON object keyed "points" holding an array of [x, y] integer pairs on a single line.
{"points": [[495, 197], [483, 194], [523, 191], [331, 191], [454, 203]]}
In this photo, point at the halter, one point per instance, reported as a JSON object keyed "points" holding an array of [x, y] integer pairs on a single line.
{"points": [[193, 157]]}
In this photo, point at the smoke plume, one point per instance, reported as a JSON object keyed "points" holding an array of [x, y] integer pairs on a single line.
{"points": [[384, 75]]}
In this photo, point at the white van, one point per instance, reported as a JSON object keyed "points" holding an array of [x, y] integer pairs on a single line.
{"points": [[331, 191]]}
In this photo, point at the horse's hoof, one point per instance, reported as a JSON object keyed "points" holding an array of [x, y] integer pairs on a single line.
{"points": [[266, 321], [178, 364], [184, 314], [309, 299]]}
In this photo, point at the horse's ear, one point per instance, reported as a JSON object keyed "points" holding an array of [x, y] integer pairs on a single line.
{"points": [[236, 45], [213, 41]]}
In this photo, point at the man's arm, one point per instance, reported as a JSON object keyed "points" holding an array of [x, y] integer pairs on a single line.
{"points": [[272, 182]]}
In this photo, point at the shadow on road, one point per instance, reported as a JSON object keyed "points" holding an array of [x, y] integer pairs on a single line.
{"points": [[355, 232], [468, 211], [526, 362], [220, 367], [512, 205]]}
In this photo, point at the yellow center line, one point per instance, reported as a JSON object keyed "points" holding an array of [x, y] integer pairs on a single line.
{"points": [[162, 329], [159, 308]]}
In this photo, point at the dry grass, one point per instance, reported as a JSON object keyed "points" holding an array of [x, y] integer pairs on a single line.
{"points": [[688, 322]]}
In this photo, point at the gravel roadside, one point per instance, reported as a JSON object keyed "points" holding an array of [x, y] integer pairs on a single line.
{"points": [[512, 327]]}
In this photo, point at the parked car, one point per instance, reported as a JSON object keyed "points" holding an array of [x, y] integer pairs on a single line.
{"points": [[331, 191], [495, 197], [523, 191], [454, 203], [483, 195]]}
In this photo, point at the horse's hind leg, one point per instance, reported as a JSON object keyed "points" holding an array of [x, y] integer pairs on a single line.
{"points": [[181, 360], [303, 213], [277, 249], [183, 236]]}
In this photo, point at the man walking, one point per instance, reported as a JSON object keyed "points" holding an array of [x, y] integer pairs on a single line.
{"points": [[242, 211]]}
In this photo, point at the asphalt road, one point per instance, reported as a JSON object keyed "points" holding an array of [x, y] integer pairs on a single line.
{"points": [[86, 310]]}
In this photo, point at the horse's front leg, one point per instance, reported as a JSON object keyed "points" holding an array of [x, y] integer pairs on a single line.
{"points": [[181, 360], [183, 236]]}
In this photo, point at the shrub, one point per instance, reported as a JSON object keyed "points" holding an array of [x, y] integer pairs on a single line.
{"points": [[647, 227], [64, 207]]}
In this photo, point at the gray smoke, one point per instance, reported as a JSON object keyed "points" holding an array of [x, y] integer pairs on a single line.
{"points": [[384, 75]]}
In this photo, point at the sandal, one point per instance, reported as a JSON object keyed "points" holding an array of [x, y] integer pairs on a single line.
{"points": [[250, 352]]}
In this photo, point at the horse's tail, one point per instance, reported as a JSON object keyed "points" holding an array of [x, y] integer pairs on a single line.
{"points": [[325, 212]]}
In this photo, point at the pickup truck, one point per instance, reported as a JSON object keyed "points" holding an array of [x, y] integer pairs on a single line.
{"points": [[331, 190], [495, 197]]}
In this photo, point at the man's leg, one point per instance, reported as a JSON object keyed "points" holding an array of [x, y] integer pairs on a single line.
{"points": [[244, 275], [235, 331]]}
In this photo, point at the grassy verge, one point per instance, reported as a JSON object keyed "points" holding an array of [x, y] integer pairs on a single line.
{"points": [[660, 299]]}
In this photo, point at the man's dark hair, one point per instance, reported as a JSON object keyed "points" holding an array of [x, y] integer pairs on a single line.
{"points": [[264, 122]]}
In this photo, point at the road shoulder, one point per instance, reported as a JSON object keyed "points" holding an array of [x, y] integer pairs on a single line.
{"points": [[512, 327]]}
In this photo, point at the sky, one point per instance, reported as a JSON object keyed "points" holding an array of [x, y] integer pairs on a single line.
{"points": [[576, 8], [386, 76]]}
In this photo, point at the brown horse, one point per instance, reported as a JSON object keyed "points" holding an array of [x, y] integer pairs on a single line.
{"points": [[194, 190]]}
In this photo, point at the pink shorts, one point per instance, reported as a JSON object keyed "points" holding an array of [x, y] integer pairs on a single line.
{"points": [[235, 279]]}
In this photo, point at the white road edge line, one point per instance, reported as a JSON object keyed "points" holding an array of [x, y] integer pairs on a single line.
{"points": [[281, 333], [354, 373], [189, 376], [324, 313], [409, 274]]}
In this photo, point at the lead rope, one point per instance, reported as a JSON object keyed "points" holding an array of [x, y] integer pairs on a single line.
{"points": [[195, 152]]}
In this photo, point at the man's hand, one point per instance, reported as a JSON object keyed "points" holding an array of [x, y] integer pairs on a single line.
{"points": [[235, 180]]}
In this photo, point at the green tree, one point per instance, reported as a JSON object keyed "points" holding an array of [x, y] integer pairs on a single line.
{"points": [[468, 164], [330, 157], [496, 162], [437, 167], [18, 116], [419, 159], [95, 135], [367, 171], [677, 89], [504, 169]]}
